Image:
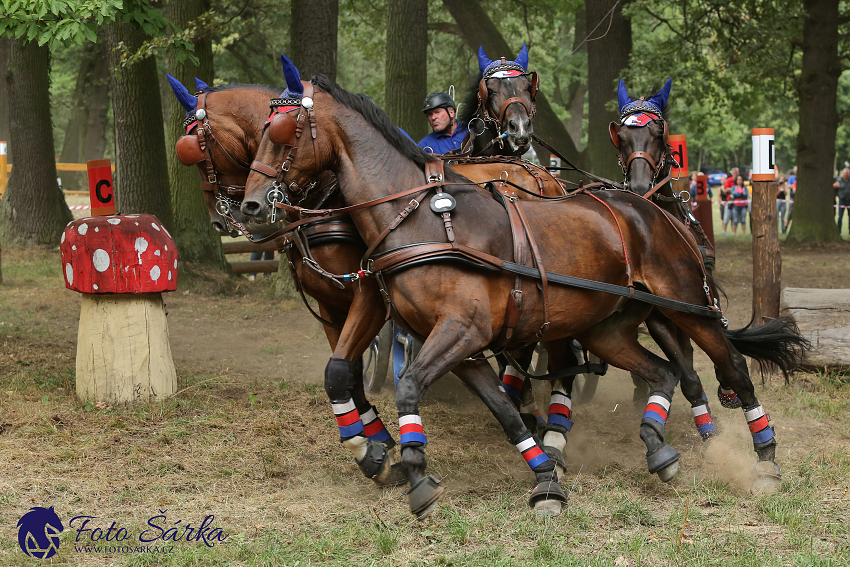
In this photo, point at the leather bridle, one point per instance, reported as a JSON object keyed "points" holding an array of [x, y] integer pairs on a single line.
{"points": [[656, 167]]}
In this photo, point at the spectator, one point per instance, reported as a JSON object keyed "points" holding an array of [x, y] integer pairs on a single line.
{"points": [[792, 192], [739, 205], [781, 204], [725, 206], [693, 186], [842, 184]]}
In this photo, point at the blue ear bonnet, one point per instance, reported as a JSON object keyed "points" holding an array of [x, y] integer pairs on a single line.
{"points": [[188, 101], [655, 104], [487, 66], [294, 88], [200, 85]]}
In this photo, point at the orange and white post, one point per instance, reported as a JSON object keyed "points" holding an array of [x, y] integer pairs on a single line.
{"points": [[4, 176]]}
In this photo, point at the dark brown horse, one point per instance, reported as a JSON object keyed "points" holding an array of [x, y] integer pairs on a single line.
{"points": [[441, 267]]}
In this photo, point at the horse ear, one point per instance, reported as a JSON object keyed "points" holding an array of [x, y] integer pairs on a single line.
{"points": [[187, 101], [613, 131], [660, 98], [623, 97], [522, 58], [293, 77], [483, 60], [200, 85]]}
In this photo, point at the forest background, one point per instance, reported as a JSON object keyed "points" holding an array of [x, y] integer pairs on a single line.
{"points": [[85, 79]]}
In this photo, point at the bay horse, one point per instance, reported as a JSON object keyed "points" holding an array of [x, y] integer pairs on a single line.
{"points": [[224, 127], [441, 271]]}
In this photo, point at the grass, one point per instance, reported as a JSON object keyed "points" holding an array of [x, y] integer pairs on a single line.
{"points": [[263, 457]]}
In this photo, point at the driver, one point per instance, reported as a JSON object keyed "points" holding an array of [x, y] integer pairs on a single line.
{"points": [[448, 134]]}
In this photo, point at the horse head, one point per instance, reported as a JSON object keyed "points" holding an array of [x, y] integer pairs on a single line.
{"points": [[642, 139], [223, 130], [500, 105]]}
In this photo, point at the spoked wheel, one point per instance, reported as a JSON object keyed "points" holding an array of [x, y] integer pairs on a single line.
{"points": [[376, 360]]}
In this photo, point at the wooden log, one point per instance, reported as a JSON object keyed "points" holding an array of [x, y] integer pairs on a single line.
{"points": [[123, 352], [767, 260], [255, 266], [244, 247], [823, 316]]}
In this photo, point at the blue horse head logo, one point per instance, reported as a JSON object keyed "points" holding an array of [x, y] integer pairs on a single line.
{"points": [[38, 532]]}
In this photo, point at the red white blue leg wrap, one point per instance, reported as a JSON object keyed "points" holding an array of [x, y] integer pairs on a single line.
{"points": [[533, 410], [657, 408], [759, 424], [728, 398], [560, 410], [702, 419], [348, 419], [374, 428], [531, 451], [411, 430], [512, 381]]}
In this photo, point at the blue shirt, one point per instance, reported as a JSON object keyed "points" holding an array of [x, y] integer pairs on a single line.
{"points": [[442, 143]]}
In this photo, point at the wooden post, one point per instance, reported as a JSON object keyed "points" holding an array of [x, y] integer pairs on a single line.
{"points": [[767, 260], [4, 176], [702, 212]]}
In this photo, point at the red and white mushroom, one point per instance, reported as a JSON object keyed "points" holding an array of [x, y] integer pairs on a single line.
{"points": [[121, 264]]}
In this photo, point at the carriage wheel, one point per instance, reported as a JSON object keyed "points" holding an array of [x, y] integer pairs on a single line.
{"points": [[376, 360]]}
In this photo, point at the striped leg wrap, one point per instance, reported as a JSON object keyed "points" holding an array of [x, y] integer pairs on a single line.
{"points": [[702, 419], [657, 409], [348, 419], [533, 410], [411, 430], [560, 410], [374, 428], [728, 398], [512, 381], [759, 424], [531, 451]]}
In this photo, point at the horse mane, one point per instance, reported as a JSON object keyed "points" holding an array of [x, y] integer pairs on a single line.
{"points": [[233, 86], [470, 102], [377, 118]]}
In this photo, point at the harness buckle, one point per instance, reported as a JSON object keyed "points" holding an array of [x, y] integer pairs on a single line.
{"points": [[436, 178]]}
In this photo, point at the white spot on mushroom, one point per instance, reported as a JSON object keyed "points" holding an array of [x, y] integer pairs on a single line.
{"points": [[113, 221], [169, 275], [132, 216], [69, 274], [166, 247], [157, 253], [166, 232], [126, 268], [137, 224], [175, 264], [141, 244], [94, 286], [156, 228], [73, 246], [100, 259], [155, 273], [63, 238], [83, 229], [97, 229]]}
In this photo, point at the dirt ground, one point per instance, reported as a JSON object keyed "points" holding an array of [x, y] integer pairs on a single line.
{"points": [[244, 346]]}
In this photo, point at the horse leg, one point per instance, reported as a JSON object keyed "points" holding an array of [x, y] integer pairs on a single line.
{"points": [[680, 352], [519, 389], [559, 417], [547, 497], [614, 340], [709, 336], [360, 429], [448, 344]]}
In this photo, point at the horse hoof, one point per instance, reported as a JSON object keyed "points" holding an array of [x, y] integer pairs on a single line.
{"points": [[664, 461], [547, 498], [423, 496], [375, 464], [667, 473], [548, 507], [395, 476], [768, 478]]}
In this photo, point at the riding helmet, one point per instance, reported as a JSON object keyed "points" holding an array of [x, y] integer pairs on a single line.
{"points": [[438, 99]]}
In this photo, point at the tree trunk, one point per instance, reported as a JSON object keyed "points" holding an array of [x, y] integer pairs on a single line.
{"points": [[312, 32], [95, 139], [477, 29], [814, 218], [33, 210], [196, 240], [75, 131], [141, 180], [407, 65], [5, 45], [606, 59]]}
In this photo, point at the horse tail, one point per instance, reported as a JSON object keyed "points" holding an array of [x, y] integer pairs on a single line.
{"points": [[776, 343]]}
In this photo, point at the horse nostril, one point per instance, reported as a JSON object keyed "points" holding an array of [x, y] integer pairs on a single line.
{"points": [[513, 127], [250, 207], [218, 226]]}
